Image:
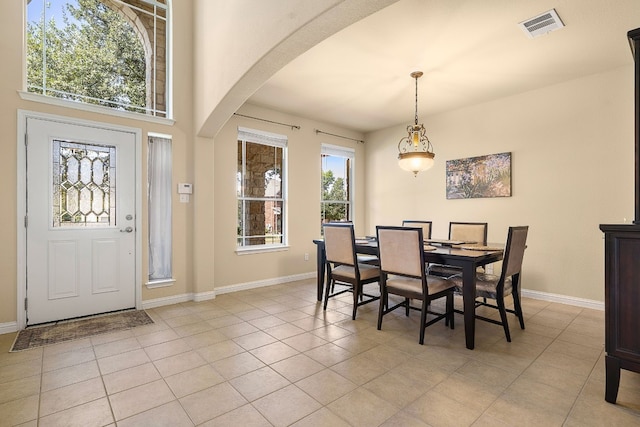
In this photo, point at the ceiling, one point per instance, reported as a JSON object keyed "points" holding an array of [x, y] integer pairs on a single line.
{"points": [[471, 52]]}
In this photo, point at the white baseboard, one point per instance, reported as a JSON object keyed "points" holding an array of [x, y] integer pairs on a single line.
{"points": [[9, 327], [261, 283], [564, 299], [159, 302], [204, 296]]}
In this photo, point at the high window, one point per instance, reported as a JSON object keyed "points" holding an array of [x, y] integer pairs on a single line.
{"points": [[261, 189], [337, 173], [106, 52]]}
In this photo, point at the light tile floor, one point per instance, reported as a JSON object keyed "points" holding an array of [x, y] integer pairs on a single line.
{"points": [[273, 357]]}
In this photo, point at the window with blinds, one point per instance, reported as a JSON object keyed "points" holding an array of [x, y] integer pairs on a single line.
{"points": [[337, 177], [261, 189]]}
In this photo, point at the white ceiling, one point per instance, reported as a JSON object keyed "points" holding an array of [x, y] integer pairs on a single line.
{"points": [[471, 51]]}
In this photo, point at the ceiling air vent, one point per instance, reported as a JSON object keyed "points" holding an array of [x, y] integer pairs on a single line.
{"points": [[542, 24]]}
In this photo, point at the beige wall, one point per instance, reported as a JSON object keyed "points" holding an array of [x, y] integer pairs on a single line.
{"points": [[572, 169], [11, 34], [303, 203]]}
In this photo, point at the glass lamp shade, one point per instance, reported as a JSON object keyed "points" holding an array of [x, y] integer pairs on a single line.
{"points": [[416, 161]]}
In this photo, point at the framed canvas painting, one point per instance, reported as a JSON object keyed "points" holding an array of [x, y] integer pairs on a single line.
{"points": [[482, 176]]}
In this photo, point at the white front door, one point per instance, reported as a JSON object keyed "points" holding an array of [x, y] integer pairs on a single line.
{"points": [[80, 220]]}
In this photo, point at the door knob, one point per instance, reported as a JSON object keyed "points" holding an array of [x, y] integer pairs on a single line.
{"points": [[127, 230]]}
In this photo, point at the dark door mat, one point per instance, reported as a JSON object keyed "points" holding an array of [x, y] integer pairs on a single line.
{"points": [[37, 336]]}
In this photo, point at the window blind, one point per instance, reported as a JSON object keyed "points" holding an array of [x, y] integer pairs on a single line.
{"points": [[336, 150], [262, 137]]}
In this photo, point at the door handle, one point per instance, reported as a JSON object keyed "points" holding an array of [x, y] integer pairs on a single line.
{"points": [[127, 230]]}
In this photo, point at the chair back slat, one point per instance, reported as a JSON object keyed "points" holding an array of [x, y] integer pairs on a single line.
{"points": [[469, 232], [514, 251], [425, 225], [400, 250], [339, 243]]}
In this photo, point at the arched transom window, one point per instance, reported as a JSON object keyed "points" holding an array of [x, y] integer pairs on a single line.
{"points": [[106, 52]]}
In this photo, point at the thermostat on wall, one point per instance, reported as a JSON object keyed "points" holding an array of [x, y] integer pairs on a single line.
{"points": [[184, 188]]}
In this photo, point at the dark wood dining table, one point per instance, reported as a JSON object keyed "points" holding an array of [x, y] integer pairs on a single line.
{"points": [[468, 260]]}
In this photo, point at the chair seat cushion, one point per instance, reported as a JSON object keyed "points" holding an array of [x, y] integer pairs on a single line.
{"points": [[412, 288], [348, 272], [486, 285]]}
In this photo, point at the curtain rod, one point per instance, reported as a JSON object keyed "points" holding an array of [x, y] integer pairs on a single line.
{"points": [[268, 121], [339, 136]]}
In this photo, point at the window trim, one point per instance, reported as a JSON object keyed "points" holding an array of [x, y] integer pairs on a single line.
{"points": [[274, 140], [348, 153], [170, 279], [44, 99], [95, 108]]}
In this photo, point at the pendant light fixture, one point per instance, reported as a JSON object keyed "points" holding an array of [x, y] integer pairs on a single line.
{"points": [[415, 150]]}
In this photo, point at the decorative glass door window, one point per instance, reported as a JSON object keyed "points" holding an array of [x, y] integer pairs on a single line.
{"points": [[84, 184]]}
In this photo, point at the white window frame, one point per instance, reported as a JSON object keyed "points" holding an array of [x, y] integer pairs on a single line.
{"points": [[273, 140], [348, 153], [160, 186], [152, 118]]}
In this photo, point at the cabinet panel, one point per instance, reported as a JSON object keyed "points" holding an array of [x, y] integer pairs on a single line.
{"points": [[625, 304]]}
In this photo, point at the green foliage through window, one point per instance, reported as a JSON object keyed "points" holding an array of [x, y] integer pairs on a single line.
{"points": [[336, 192], [89, 51]]}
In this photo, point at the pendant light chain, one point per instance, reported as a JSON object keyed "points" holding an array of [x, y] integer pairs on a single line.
{"points": [[416, 101]]}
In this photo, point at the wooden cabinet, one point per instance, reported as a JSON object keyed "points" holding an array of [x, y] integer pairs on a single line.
{"points": [[622, 271], [622, 303]]}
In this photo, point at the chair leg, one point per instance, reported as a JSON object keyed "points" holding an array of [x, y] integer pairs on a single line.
{"points": [[423, 319], [446, 319], [381, 307], [356, 292], [407, 301], [503, 317], [328, 287], [518, 309], [449, 319]]}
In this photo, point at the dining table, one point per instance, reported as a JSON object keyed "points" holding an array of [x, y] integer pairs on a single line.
{"points": [[466, 256]]}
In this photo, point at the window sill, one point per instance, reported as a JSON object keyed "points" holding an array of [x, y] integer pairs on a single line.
{"points": [[261, 249], [160, 283], [43, 99]]}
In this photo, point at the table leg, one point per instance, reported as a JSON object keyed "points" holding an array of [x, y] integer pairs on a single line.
{"points": [[469, 303], [321, 261]]}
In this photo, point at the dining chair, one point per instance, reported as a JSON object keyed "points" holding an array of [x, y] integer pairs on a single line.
{"points": [[403, 273], [362, 258], [489, 286], [425, 225], [343, 267], [468, 232]]}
